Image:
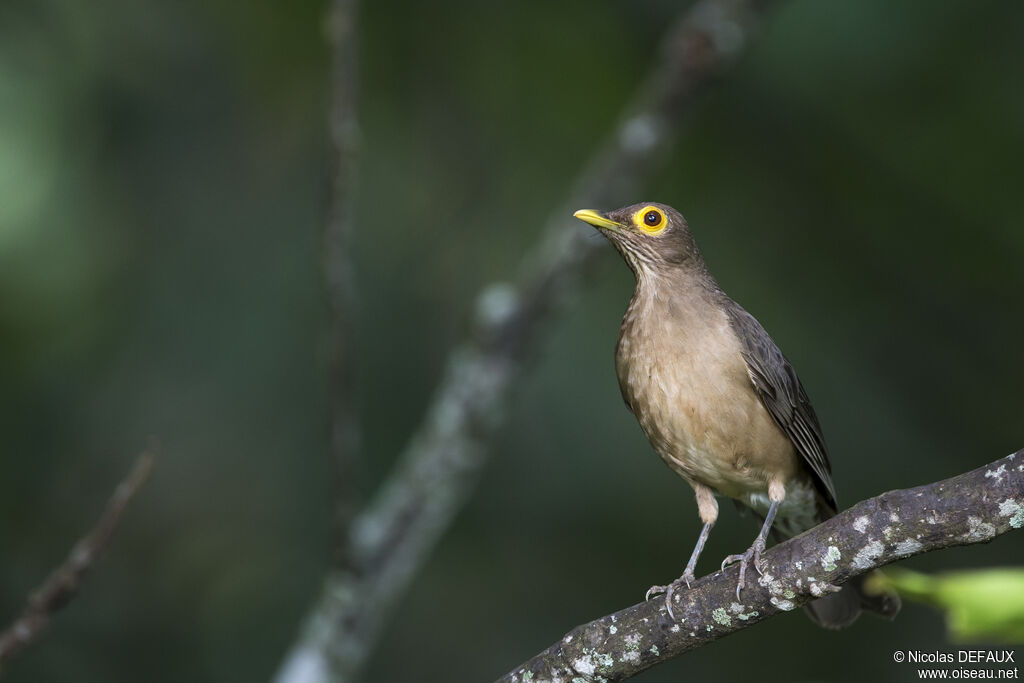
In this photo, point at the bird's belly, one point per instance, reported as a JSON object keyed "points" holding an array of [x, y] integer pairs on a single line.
{"points": [[703, 418]]}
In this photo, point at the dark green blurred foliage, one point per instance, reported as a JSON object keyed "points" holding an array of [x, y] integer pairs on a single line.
{"points": [[855, 182]]}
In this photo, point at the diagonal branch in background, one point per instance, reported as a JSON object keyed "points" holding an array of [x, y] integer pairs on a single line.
{"points": [[337, 267], [971, 508], [392, 537], [64, 582]]}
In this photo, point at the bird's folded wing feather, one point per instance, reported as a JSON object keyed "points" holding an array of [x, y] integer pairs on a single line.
{"points": [[780, 391]]}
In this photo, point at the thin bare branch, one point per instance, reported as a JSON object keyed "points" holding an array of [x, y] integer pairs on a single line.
{"points": [[971, 508], [337, 266], [393, 535], [64, 582]]}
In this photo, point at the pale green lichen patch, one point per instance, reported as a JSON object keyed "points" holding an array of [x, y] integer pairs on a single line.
{"points": [[908, 546], [1014, 510], [632, 652], [978, 530], [799, 564], [722, 617], [592, 662], [788, 594], [820, 588], [888, 532], [654, 651], [784, 605], [933, 517], [861, 523], [613, 629], [527, 676], [584, 665], [867, 555], [829, 559], [737, 609], [997, 473], [775, 586]]}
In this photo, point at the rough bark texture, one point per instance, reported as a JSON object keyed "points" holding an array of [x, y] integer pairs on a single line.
{"points": [[393, 535], [971, 508]]}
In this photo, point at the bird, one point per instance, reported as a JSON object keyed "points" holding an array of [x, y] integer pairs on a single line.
{"points": [[719, 402]]}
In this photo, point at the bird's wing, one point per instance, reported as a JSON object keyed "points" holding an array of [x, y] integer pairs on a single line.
{"points": [[780, 391]]}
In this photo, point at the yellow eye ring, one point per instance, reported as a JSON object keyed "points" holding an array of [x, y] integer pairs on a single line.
{"points": [[651, 220]]}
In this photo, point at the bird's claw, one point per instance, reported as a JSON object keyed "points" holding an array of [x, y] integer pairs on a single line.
{"points": [[654, 590], [670, 589], [753, 553]]}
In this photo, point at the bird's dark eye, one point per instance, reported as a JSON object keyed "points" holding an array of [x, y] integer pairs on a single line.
{"points": [[650, 220]]}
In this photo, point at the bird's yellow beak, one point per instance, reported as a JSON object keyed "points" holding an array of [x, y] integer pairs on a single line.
{"points": [[596, 219]]}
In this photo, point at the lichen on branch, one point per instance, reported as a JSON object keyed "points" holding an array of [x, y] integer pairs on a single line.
{"points": [[974, 507]]}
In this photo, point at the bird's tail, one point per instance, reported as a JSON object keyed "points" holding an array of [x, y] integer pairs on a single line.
{"points": [[839, 610]]}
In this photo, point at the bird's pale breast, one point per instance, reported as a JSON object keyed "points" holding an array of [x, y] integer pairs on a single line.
{"points": [[683, 375]]}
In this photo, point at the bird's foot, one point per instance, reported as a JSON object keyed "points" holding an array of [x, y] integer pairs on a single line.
{"points": [[670, 589], [753, 554]]}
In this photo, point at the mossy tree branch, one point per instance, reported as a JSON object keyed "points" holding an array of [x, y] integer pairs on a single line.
{"points": [[971, 508]]}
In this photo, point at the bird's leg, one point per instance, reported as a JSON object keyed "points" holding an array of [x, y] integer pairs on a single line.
{"points": [[687, 576], [708, 507], [776, 494]]}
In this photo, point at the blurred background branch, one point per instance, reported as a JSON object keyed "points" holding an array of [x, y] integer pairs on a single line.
{"points": [[337, 265], [65, 581], [974, 507], [391, 538]]}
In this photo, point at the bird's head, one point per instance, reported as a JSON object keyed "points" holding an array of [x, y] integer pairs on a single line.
{"points": [[650, 236]]}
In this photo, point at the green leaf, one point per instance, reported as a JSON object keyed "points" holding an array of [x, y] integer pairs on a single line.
{"points": [[986, 604]]}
